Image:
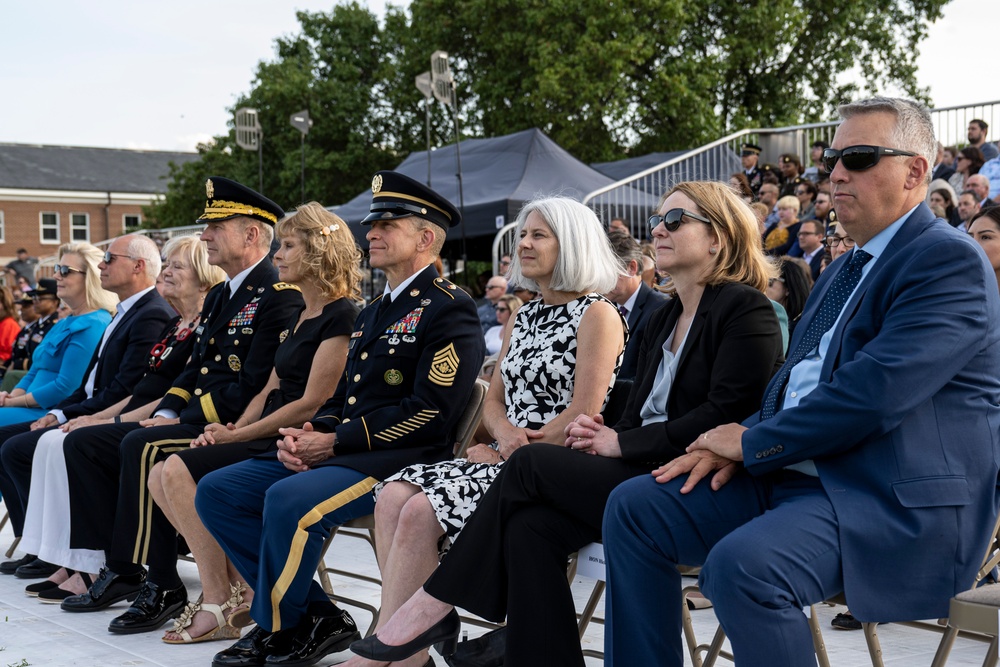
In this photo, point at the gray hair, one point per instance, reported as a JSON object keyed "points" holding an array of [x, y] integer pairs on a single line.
{"points": [[913, 130], [586, 262], [144, 248]]}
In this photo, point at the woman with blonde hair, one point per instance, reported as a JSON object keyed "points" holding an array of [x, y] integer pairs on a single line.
{"points": [[506, 308], [705, 360], [186, 278], [318, 254], [60, 360], [780, 236]]}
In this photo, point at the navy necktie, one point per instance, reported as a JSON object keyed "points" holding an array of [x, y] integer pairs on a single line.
{"points": [[383, 305], [833, 302]]}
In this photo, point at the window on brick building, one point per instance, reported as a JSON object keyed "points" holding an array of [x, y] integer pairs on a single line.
{"points": [[49, 227], [79, 227], [131, 221]]}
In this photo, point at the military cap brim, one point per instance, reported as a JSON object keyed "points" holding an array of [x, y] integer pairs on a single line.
{"points": [[46, 287], [227, 199], [397, 196], [752, 148]]}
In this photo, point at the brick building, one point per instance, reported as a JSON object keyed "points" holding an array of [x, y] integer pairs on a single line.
{"points": [[51, 195]]}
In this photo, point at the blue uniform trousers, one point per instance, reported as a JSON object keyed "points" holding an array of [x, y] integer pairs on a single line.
{"points": [[769, 546], [272, 524]]}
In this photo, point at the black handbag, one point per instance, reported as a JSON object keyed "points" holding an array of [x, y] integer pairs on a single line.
{"points": [[485, 651]]}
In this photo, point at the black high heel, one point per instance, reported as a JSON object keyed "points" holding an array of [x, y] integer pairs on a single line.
{"points": [[444, 632]]}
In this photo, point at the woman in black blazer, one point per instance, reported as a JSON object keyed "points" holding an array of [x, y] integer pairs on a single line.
{"points": [[705, 360]]}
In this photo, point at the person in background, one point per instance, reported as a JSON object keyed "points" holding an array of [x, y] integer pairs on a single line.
{"points": [[968, 208], [968, 163], [816, 171], [985, 230], [741, 186], [806, 193], [495, 288], [24, 267], [9, 327], [43, 305], [941, 201], [810, 247], [942, 169], [506, 307], [791, 288], [781, 236], [977, 139]]}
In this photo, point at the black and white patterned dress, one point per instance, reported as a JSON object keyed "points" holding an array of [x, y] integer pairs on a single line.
{"points": [[538, 374]]}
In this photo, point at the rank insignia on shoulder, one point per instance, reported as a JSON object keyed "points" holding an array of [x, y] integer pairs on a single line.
{"points": [[393, 377], [444, 366], [282, 336], [234, 363], [283, 286]]}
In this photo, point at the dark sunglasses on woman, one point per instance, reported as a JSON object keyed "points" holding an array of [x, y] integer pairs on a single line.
{"points": [[673, 219]]}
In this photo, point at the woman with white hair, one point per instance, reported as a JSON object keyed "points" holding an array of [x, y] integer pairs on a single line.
{"points": [[558, 360]]}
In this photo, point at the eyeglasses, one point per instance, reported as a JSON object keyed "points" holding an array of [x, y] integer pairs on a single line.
{"points": [[504, 261], [799, 193], [502, 310], [809, 234], [36, 297], [833, 241], [673, 218], [859, 158], [110, 257], [64, 270], [494, 287], [771, 281]]}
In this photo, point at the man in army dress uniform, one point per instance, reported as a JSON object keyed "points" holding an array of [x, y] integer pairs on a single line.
{"points": [[749, 157], [45, 303], [232, 359], [412, 360]]}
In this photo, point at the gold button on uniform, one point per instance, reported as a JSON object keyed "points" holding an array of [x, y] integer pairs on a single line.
{"points": [[352, 400], [218, 357], [204, 371], [236, 342], [211, 341], [198, 391], [357, 377], [392, 350], [364, 355]]}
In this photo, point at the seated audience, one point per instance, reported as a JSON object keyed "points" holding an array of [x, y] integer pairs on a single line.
{"points": [[559, 361], [968, 207], [810, 246], [806, 193], [979, 184], [985, 230], [708, 356], [9, 326], [968, 163], [506, 307], [41, 307], [816, 171], [790, 166], [741, 186], [791, 288], [495, 288], [942, 203], [781, 236], [798, 503], [942, 170], [838, 241]]}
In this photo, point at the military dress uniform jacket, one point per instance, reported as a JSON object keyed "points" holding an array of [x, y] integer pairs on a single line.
{"points": [[26, 342], [409, 376], [234, 349]]}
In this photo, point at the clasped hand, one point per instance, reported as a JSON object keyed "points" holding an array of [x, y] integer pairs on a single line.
{"points": [[301, 448], [718, 451], [215, 434], [590, 435]]}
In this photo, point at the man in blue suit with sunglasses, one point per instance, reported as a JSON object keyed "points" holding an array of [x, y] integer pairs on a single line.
{"points": [[874, 457]]}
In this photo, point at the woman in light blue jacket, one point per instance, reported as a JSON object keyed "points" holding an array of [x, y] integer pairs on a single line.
{"points": [[60, 361]]}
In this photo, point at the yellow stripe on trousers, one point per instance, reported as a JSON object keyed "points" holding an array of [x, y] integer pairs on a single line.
{"points": [[145, 513], [300, 536]]}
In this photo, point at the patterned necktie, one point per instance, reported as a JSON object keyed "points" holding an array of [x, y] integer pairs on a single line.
{"points": [[833, 302]]}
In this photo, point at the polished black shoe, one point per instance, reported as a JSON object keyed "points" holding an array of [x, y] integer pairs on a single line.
{"points": [[153, 607], [108, 589], [36, 569], [252, 649], [317, 636], [10, 566], [444, 632]]}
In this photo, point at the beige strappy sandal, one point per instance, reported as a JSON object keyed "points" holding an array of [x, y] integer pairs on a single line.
{"points": [[240, 618], [222, 631]]}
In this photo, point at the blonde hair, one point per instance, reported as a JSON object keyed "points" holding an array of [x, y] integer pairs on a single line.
{"points": [[512, 302], [96, 297], [192, 249], [741, 257], [331, 257], [790, 201]]}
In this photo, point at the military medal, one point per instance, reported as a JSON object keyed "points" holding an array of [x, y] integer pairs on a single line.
{"points": [[414, 292], [282, 336], [234, 363]]}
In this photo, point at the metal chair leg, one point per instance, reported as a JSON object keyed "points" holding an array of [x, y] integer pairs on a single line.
{"points": [[13, 547], [944, 648], [874, 647], [819, 644]]}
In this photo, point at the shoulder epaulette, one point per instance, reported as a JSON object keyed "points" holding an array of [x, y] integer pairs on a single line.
{"points": [[446, 286], [283, 286]]}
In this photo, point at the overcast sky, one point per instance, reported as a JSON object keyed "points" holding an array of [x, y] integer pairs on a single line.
{"points": [[161, 75]]}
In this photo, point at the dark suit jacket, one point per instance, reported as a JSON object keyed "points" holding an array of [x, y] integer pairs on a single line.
{"points": [[409, 375], [234, 351], [942, 171], [732, 350], [123, 361], [646, 303], [904, 427]]}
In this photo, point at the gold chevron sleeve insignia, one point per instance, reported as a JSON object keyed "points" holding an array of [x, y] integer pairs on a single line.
{"points": [[444, 366], [406, 427]]}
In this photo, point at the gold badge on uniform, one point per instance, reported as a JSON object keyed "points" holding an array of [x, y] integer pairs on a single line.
{"points": [[414, 292], [376, 184], [234, 363], [393, 377], [282, 336], [209, 189], [444, 366]]}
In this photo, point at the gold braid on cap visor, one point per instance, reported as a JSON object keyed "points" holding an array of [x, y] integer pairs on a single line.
{"points": [[224, 209]]}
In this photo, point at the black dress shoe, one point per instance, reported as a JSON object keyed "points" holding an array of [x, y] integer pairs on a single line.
{"points": [[315, 637], [252, 649], [153, 607], [444, 632], [108, 589], [36, 569], [10, 566]]}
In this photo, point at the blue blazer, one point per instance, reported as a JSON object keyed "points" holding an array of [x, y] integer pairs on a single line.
{"points": [[904, 427]]}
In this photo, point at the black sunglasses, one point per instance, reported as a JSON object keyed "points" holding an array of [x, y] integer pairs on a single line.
{"points": [[859, 158], [110, 257], [64, 270], [673, 218]]}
